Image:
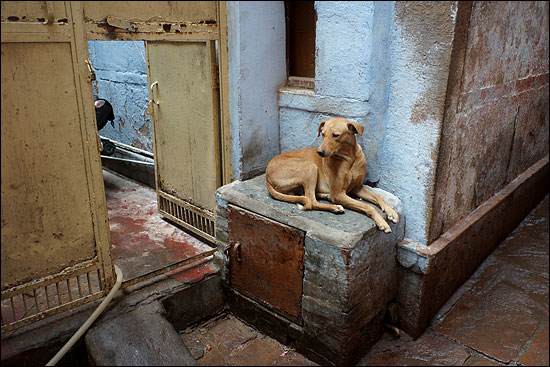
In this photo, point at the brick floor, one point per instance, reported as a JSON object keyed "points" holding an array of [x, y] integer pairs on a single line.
{"points": [[498, 317], [227, 341]]}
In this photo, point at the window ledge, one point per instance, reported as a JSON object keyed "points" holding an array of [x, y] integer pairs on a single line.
{"points": [[301, 82]]}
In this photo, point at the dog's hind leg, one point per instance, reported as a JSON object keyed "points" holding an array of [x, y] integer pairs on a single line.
{"points": [[309, 185], [322, 196]]}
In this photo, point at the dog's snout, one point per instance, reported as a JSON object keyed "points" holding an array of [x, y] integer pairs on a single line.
{"points": [[321, 152]]}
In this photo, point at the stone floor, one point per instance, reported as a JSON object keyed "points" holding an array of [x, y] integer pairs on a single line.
{"points": [[143, 242], [227, 341], [498, 317]]}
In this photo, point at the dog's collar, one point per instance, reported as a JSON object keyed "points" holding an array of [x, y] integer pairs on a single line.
{"points": [[350, 161]]}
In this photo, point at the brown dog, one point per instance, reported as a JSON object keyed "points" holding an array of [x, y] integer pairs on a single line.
{"points": [[334, 170]]}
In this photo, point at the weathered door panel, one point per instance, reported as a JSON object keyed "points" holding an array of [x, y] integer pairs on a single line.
{"points": [[55, 234], [266, 261], [185, 101], [45, 201]]}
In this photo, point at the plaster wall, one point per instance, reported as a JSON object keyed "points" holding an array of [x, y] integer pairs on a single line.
{"points": [[257, 68], [344, 34], [122, 79], [420, 52], [496, 125], [384, 65]]}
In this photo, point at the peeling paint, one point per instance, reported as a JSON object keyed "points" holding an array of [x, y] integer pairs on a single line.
{"points": [[122, 79]]}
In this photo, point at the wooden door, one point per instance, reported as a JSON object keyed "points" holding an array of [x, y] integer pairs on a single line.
{"points": [[183, 82], [55, 232]]}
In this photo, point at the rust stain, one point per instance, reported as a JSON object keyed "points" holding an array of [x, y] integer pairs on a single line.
{"points": [[272, 261], [418, 113], [144, 130], [486, 140]]}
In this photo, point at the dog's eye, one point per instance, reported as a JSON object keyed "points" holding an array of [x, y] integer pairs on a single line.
{"points": [[335, 135]]}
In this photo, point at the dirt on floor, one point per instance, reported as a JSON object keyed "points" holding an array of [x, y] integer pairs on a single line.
{"points": [[227, 341]]}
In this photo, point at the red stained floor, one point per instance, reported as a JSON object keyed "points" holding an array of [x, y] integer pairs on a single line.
{"points": [[141, 240]]}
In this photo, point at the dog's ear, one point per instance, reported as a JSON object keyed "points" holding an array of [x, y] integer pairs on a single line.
{"points": [[355, 128], [321, 125]]}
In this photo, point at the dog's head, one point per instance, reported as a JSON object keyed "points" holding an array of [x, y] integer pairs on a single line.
{"points": [[338, 134]]}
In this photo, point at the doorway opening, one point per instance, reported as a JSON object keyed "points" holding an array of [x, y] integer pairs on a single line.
{"points": [[143, 243]]}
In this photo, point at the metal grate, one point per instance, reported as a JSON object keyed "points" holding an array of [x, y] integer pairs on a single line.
{"points": [[197, 220], [32, 302]]}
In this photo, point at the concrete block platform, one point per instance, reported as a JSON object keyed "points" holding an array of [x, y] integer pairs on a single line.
{"points": [[318, 280]]}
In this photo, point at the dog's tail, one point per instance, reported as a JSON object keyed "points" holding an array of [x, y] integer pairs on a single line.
{"points": [[288, 198]]}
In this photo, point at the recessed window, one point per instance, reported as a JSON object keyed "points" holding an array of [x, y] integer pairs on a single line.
{"points": [[300, 42]]}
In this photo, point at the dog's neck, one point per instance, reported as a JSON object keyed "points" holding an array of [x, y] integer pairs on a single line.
{"points": [[349, 155], [346, 157]]}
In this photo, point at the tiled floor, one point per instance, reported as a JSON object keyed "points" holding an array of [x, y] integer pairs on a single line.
{"points": [[498, 317]]}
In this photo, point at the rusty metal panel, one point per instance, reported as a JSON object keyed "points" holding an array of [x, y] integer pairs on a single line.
{"points": [[266, 261], [185, 120]]}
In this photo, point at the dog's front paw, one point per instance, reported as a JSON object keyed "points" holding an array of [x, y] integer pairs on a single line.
{"points": [[339, 209], [392, 215], [383, 226]]}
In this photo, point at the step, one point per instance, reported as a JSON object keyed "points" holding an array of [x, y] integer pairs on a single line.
{"points": [[142, 337]]}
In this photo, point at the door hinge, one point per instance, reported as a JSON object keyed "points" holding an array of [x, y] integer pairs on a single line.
{"points": [[121, 23], [91, 71]]}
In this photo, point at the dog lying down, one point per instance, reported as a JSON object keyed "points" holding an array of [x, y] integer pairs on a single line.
{"points": [[331, 172]]}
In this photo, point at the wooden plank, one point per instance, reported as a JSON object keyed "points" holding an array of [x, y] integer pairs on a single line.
{"points": [[152, 11], [31, 11], [225, 127]]}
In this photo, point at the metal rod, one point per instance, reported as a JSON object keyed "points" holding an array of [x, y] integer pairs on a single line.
{"points": [[99, 280], [168, 268], [47, 297], [79, 286], [69, 290], [36, 301], [24, 304], [13, 309], [89, 283], [58, 294]]}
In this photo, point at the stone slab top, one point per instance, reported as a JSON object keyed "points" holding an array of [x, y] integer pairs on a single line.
{"points": [[344, 230]]}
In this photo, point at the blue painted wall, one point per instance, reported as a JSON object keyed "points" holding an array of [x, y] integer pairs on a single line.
{"points": [[122, 79], [381, 67]]}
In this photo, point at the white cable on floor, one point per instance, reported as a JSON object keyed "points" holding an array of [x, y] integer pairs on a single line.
{"points": [[88, 322]]}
